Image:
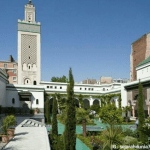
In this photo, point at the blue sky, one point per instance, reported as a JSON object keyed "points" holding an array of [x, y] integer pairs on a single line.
{"points": [[92, 36]]}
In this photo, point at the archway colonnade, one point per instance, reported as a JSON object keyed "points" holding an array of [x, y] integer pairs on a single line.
{"points": [[87, 101]]}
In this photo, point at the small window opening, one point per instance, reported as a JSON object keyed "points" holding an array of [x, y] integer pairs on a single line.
{"points": [[37, 101], [13, 101], [29, 57], [29, 67], [60, 87], [29, 46], [34, 83], [27, 81]]}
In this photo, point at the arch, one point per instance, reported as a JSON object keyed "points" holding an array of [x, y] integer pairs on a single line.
{"points": [[29, 67], [34, 67], [86, 104], [34, 82], [24, 67], [27, 81], [77, 102], [63, 100], [13, 101], [96, 102]]}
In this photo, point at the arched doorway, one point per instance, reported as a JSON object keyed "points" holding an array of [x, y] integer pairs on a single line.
{"points": [[86, 104], [77, 103], [96, 102]]}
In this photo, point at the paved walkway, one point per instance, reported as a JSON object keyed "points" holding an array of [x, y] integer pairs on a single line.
{"points": [[29, 138]]}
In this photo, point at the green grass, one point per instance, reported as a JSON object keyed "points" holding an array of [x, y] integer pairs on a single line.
{"points": [[132, 122], [85, 140]]}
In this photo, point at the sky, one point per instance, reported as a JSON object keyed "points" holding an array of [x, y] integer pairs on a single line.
{"points": [[93, 37]]}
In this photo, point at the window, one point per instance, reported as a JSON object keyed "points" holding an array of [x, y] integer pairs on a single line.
{"points": [[47, 86], [85, 88], [14, 65], [80, 88], [60, 87], [89, 89], [51, 87], [29, 57], [29, 46], [92, 89], [13, 101], [5, 65], [37, 101], [14, 78], [103, 89], [14, 72], [55, 87], [34, 83], [29, 67]]}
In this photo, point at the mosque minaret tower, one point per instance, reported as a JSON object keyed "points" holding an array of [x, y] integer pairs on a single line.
{"points": [[29, 48]]}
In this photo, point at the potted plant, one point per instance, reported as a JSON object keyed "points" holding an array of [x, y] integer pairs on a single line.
{"points": [[31, 112], [7, 123], [36, 111], [5, 138]]}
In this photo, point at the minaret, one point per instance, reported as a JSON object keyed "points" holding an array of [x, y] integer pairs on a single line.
{"points": [[29, 48]]}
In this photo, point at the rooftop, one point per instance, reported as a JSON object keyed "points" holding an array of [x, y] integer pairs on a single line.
{"points": [[144, 62]]}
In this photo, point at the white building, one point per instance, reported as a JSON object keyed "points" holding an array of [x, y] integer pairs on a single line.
{"points": [[29, 92]]}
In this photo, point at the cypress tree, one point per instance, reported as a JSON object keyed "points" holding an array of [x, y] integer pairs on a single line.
{"points": [[141, 114], [70, 123], [47, 103], [54, 120]]}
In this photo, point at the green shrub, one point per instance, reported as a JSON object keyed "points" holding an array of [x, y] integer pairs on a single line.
{"points": [[56, 142], [31, 111], [10, 110], [8, 122], [85, 140], [129, 132], [129, 140], [95, 108]]}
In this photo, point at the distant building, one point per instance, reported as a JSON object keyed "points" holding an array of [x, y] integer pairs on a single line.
{"points": [[121, 80], [105, 80], [89, 81], [11, 68], [140, 50]]}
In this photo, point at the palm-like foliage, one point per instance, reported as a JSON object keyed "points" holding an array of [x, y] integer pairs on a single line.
{"points": [[112, 136]]}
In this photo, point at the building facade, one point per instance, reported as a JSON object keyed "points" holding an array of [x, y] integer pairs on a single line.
{"points": [[11, 68], [29, 48], [140, 50]]}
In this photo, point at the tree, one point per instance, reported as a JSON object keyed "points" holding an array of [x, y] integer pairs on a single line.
{"points": [[82, 115], [141, 114], [47, 109], [81, 100], [96, 108], [60, 79], [119, 101], [110, 114], [54, 120], [112, 136], [70, 123]]}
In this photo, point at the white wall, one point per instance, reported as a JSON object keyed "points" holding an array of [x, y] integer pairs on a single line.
{"points": [[143, 71], [2, 93], [123, 96], [40, 97]]}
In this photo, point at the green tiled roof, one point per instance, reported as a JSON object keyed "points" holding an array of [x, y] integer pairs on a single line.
{"points": [[144, 62]]}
